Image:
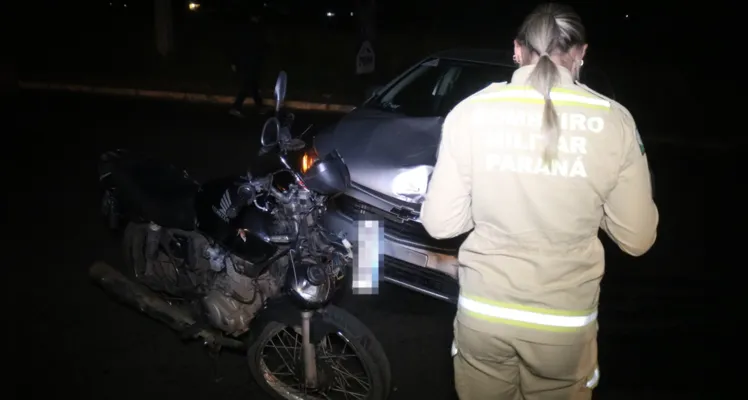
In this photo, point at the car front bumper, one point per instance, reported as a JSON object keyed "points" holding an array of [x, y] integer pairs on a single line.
{"points": [[411, 258]]}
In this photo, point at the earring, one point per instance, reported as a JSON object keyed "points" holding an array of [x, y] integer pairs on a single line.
{"points": [[581, 63], [515, 59]]}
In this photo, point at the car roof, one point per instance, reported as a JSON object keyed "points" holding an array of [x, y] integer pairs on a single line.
{"points": [[504, 59], [485, 56]]}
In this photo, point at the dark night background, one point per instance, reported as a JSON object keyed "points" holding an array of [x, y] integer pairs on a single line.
{"points": [[667, 320], [653, 52]]}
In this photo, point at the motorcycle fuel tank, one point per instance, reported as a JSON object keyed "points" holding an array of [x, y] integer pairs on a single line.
{"points": [[247, 235]]}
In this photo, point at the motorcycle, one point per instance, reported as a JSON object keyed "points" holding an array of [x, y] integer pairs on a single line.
{"points": [[241, 263]]}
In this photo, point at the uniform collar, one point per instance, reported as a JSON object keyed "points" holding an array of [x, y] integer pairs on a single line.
{"points": [[522, 73]]}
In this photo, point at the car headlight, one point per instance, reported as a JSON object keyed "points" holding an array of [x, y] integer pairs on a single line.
{"points": [[411, 184], [308, 159]]}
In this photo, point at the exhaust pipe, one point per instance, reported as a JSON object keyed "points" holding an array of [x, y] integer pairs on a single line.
{"points": [[140, 297]]}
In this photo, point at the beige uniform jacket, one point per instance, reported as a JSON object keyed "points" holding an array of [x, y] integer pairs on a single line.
{"points": [[533, 258]]}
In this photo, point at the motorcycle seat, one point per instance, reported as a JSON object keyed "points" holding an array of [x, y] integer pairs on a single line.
{"points": [[157, 191]]}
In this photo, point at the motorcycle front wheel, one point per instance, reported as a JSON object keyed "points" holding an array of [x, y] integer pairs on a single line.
{"points": [[351, 363]]}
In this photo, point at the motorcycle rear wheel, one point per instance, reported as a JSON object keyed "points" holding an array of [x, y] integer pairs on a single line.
{"points": [[350, 331]]}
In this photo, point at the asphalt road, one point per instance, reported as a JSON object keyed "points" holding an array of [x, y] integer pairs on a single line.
{"points": [[666, 318]]}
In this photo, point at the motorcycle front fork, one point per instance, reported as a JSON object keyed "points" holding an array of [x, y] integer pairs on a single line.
{"points": [[310, 358]]}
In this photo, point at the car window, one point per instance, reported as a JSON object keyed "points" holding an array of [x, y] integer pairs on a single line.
{"points": [[437, 85]]}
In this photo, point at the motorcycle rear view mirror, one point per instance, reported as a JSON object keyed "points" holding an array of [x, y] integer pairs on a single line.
{"points": [[270, 132], [280, 90]]}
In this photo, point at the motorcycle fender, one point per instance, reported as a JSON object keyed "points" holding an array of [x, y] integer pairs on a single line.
{"points": [[284, 311]]}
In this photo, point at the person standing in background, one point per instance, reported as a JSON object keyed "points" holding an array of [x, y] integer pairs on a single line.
{"points": [[249, 55]]}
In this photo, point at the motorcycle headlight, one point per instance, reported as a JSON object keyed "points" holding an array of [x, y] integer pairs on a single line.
{"points": [[411, 184], [309, 285], [308, 159]]}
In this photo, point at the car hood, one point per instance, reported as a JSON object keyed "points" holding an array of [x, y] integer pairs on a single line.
{"points": [[378, 145]]}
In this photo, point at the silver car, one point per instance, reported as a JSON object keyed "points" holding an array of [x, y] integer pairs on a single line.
{"points": [[390, 145]]}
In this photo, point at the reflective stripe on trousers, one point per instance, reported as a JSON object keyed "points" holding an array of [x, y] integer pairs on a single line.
{"points": [[590, 384], [527, 316], [593, 381]]}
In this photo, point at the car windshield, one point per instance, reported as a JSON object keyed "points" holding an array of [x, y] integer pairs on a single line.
{"points": [[433, 88]]}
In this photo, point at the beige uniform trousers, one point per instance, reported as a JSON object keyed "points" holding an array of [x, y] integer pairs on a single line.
{"points": [[508, 365]]}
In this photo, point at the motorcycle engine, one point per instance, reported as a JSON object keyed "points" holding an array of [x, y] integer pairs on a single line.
{"points": [[289, 211], [233, 299]]}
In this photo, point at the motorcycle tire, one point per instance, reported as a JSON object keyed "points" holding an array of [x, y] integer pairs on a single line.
{"points": [[367, 348]]}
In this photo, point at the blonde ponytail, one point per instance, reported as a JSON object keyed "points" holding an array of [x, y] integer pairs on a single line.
{"points": [[543, 78], [550, 28]]}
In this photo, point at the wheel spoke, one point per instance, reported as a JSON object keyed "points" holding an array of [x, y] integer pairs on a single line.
{"points": [[278, 352], [343, 384]]}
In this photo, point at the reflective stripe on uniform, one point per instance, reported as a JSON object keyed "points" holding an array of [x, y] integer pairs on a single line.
{"points": [[526, 316], [559, 96], [594, 380]]}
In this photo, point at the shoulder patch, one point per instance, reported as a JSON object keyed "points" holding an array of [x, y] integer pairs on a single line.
{"points": [[639, 140]]}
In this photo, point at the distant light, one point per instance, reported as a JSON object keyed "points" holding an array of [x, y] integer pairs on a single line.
{"points": [[264, 4], [125, 5], [194, 6], [627, 16], [351, 14], [330, 14]]}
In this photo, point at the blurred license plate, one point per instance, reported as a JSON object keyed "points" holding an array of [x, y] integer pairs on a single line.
{"points": [[405, 254]]}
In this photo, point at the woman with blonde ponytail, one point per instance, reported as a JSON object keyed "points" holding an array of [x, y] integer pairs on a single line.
{"points": [[532, 168]]}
